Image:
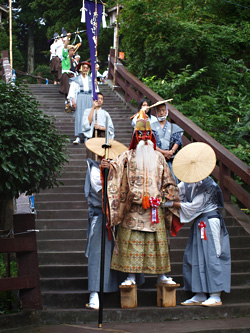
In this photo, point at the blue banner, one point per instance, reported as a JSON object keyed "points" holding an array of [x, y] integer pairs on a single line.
{"points": [[93, 22]]}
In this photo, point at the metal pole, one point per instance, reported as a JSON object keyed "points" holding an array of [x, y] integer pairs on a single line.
{"points": [[10, 33]]}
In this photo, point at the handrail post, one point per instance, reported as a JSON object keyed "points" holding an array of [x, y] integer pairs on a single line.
{"points": [[111, 61], [28, 261], [127, 97], [224, 171]]}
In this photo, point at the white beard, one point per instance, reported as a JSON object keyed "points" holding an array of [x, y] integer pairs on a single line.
{"points": [[145, 156]]}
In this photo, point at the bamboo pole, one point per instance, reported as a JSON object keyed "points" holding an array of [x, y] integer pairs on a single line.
{"points": [[116, 45], [10, 33]]}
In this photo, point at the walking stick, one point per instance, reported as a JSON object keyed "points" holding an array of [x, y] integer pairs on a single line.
{"points": [[106, 146]]}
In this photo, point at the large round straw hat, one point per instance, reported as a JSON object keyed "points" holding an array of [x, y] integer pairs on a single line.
{"points": [[95, 145], [194, 162]]}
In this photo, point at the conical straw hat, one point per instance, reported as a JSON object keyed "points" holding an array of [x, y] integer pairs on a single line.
{"points": [[95, 145], [194, 162]]}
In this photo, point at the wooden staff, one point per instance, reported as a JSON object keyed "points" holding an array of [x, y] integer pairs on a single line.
{"points": [[106, 146]]}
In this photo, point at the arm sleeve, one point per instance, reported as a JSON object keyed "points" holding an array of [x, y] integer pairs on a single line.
{"points": [[87, 128], [73, 90], [134, 121], [111, 128], [64, 53], [95, 179], [176, 138], [158, 141], [190, 210]]}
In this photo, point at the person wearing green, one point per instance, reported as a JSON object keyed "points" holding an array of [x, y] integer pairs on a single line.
{"points": [[68, 67]]}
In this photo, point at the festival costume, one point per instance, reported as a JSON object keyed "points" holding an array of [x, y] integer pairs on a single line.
{"points": [[68, 70], [166, 137], [207, 260], [55, 61], [81, 91], [99, 117], [93, 194], [141, 237], [152, 120]]}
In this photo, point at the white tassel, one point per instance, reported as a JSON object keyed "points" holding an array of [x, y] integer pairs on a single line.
{"points": [[104, 24], [83, 9]]}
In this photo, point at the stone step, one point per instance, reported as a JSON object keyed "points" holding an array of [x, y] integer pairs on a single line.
{"points": [[72, 181], [47, 224], [66, 189], [81, 283], [60, 205], [77, 244], [146, 298], [229, 312], [54, 234], [47, 196], [63, 214], [64, 257]]}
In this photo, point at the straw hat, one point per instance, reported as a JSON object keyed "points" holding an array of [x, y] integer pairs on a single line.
{"points": [[95, 145], [194, 162]]}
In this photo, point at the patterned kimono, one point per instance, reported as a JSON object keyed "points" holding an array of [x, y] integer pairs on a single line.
{"points": [[142, 244]]}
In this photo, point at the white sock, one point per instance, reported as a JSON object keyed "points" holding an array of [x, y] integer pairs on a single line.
{"points": [[199, 297], [131, 276], [94, 298], [215, 296]]}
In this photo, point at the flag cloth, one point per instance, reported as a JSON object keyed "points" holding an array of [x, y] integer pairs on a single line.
{"points": [[93, 23]]}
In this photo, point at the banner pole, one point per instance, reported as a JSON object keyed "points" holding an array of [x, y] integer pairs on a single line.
{"points": [[116, 45]]}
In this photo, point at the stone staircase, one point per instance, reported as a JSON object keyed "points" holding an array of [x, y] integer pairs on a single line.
{"points": [[62, 221]]}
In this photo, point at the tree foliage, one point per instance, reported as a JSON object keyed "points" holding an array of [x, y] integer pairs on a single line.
{"points": [[196, 52], [32, 150]]}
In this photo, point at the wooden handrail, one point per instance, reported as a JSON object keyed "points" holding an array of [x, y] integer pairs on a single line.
{"points": [[228, 164], [25, 247]]}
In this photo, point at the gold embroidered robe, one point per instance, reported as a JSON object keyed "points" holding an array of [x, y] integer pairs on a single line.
{"points": [[126, 184]]}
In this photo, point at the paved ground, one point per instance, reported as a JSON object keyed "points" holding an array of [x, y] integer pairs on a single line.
{"points": [[219, 325]]}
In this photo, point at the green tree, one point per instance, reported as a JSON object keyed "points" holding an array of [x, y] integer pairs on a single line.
{"points": [[18, 60], [32, 150]]}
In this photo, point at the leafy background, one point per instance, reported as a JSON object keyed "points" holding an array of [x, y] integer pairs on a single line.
{"points": [[194, 51]]}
